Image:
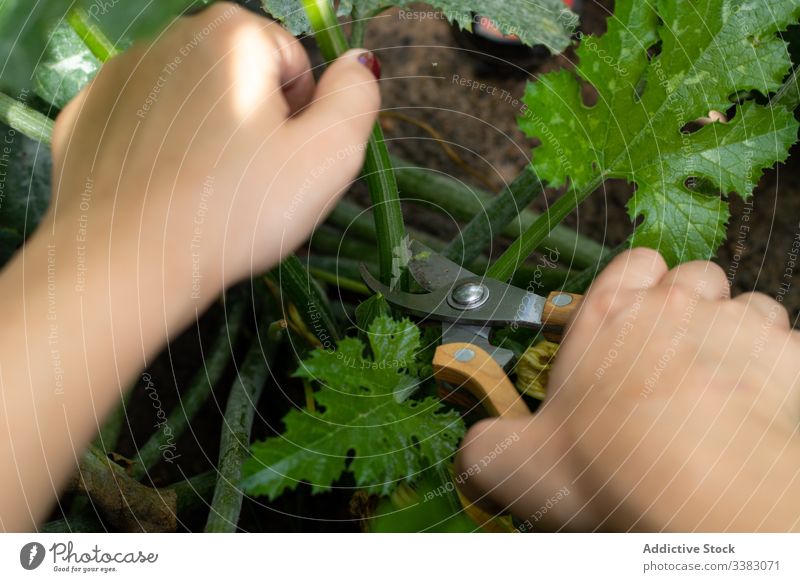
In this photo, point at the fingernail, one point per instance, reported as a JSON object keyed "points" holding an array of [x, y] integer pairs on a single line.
{"points": [[370, 61]]}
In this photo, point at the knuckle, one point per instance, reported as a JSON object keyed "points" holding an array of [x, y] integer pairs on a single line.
{"points": [[677, 299], [601, 302], [643, 253]]}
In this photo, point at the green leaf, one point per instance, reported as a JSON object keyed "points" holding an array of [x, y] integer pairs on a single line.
{"points": [[25, 167], [293, 17], [25, 29], [545, 22], [67, 66], [129, 20], [362, 428], [709, 50], [371, 308], [24, 26]]}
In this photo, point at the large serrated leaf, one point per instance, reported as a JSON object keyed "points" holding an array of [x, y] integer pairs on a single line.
{"points": [[540, 22], [709, 51], [389, 441]]}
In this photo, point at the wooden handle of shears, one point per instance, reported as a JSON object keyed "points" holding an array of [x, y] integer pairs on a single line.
{"points": [[468, 366], [558, 310]]}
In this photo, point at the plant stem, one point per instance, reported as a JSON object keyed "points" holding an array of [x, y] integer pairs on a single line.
{"points": [[127, 505], [195, 492], [106, 439], [378, 171], [91, 35], [353, 218], [330, 241], [464, 203], [191, 494], [25, 120], [530, 240], [342, 282], [500, 211], [327, 32], [214, 364], [234, 446], [382, 184], [358, 30], [343, 266], [300, 289]]}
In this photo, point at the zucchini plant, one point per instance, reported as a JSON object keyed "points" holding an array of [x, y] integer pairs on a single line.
{"points": [[371, 423]]}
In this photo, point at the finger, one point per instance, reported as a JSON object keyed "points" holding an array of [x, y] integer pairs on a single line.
{"points": [[270, 68], [295, 77], [476, 485], [702, 278], [767, 307], [339, 120], [638, 268]]}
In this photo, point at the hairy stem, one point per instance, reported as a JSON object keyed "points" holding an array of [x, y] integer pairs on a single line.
{"points": [[298, 287], [478, 234], [25, 120], [464, 202], [235, 440], [530, 240], [378, 171], [214, 364]]}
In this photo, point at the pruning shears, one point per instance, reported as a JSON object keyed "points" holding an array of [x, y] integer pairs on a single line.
{"points": [[469, 307]]}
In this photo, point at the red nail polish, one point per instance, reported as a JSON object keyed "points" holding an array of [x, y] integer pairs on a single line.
{"points": [[370, 61]]}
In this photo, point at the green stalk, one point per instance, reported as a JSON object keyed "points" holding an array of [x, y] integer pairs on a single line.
{"points": [[530, 240], [382, 184], [91, 35], [327, 32], [378, 171], [194, 493], [464, 203], [301, 289], [214, 364], [354, 219], [25, 120], [330, 241], [108, 436], [476, 236], [234, 446], [342, 282], [344, 267]]}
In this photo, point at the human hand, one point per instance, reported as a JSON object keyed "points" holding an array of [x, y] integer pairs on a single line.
{"points": [[670, 407], [210, 154], [185, 166]]}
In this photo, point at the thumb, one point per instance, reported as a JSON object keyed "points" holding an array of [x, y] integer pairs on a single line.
{"points": [[338, 121], [518, 464]]}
